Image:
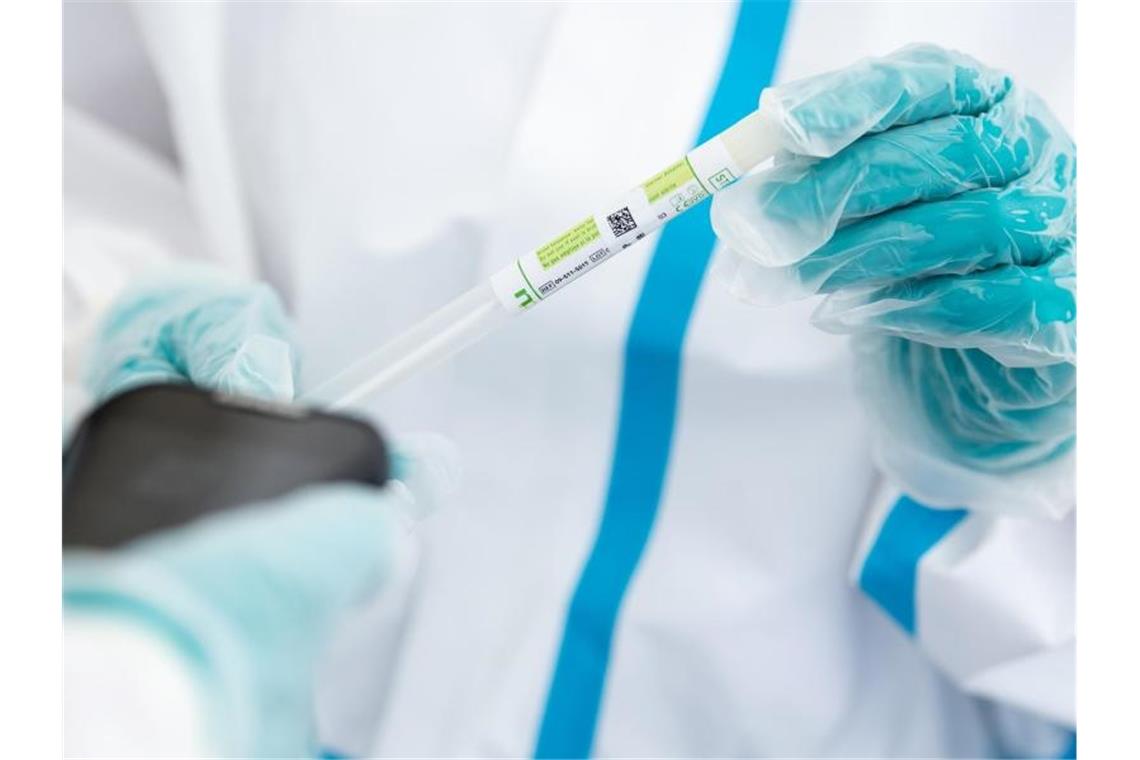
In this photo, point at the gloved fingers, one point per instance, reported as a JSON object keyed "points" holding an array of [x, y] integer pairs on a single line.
{"points": [[979, 230], [1023, 316], [781, 215], [285, 567], [966, 407], [820, 115], [1009, 390], [980, 399], [196, 324]]}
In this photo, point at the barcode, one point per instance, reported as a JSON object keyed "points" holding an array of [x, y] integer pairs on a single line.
{"points": [[621, 221]]}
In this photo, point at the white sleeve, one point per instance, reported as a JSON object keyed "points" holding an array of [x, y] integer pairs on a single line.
{"points": [[128, 693], [997, 610], [989, 598]]}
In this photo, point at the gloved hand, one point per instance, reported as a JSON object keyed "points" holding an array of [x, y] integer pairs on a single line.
{"points": [[200, 325], [931, 200], [196, 324], [248, 596]]}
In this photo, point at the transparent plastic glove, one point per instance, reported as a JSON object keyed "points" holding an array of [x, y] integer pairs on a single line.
{"points": [[199, 325], [956, 427], [932, 201], [248, 597]]}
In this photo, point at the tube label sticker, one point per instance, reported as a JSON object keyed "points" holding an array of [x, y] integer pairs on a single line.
{"points": [[536, 275]]}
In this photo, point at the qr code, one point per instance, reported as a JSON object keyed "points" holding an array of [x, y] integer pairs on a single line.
{"points": [[621, 221]]}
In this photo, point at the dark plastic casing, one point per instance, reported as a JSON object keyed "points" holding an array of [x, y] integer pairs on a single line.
{"points": [[160, 456]]}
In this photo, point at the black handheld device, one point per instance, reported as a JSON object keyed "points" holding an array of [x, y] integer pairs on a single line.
{"points": [[159, 456]]}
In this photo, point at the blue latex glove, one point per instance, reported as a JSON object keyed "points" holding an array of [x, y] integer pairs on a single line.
{"points": [[932, 200], [248, 596]]}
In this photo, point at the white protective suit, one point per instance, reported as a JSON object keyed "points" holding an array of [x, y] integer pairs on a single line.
{"points": [[715, 479]]}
